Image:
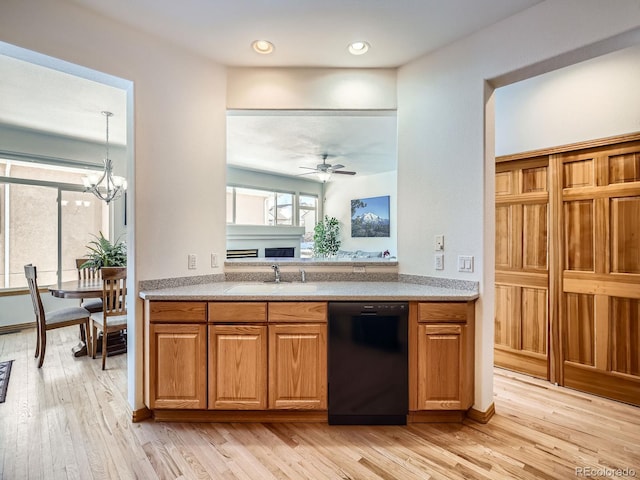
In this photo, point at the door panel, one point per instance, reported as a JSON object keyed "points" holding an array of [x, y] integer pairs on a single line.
{"points": [[625, 335], [521, 290], [579, 332], [534, 308], [625, 235], [238, 367], [624, 168], [507, 323], [601, 281], [578, 233], [503, 245], [534, 229]]}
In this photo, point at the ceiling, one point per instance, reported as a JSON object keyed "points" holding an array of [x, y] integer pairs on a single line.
{"points": [[313, 33], [43, 99]]}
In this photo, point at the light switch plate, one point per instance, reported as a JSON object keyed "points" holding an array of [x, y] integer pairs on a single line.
{"points": [[193, 261], [438, 261], [465, 263], [439, 243]]}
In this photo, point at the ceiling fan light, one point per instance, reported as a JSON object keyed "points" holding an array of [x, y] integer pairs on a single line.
{"points": [[358, 48], [262, 47], [324, 176]]}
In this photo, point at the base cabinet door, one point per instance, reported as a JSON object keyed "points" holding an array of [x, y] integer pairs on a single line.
{"points": [[444, 349], [440, 362], [238, 367], [298, 366], [178, 366]]}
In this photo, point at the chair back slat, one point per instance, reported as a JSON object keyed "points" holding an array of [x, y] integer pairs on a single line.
{"points": [[114, 291], [31, 274], [88, 273]]}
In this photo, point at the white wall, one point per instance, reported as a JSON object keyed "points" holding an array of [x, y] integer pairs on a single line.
{"points": [[446, 155], [21, 140], [338, 195], [249, 178], [594, 99], [311, 88]]}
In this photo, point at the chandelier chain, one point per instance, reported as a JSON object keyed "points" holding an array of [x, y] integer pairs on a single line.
{"points": [[108, 187]]}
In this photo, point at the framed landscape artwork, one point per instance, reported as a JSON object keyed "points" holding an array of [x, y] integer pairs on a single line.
{"points": [[370, 217]]}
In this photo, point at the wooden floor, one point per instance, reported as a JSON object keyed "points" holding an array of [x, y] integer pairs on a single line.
{"points": [[70, 420]]}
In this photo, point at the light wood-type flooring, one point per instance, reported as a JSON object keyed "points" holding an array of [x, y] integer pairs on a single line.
{"points": [[70, 419]]}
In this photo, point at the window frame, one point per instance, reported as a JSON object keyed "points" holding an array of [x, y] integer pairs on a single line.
{"points": [[60, 187], [275, 192]]}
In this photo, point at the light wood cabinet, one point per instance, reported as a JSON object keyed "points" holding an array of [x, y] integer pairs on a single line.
{"points": [[297, 312], [280, 365], [298, 366], [237, 312], [238, 367], [268, 360], [176, 355], [443, 343]]}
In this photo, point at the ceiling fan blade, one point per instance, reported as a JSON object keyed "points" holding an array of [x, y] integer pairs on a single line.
{"points": [[337, 166], [344, 172], [309, 168]]}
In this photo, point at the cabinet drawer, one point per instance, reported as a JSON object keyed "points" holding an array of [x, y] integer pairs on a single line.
{"points": [[298, 312], [237, 311], [442, 312], [177, 312]]}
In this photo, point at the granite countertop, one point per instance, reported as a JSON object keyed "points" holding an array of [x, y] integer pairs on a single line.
{"points": [[311, 291]]}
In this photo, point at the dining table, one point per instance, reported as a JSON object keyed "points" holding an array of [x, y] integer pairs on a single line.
{"points": [[80, 288], [88, 288]]}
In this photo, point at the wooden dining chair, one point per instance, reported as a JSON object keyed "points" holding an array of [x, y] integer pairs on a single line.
{"points": [[63, 317], [93, 305], [113, 317]]}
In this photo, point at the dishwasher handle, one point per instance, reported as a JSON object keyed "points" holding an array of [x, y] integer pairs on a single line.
{"points": [[368, 308]]}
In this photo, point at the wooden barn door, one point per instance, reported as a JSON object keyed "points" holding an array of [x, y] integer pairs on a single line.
{"points": [[599, 328], [522, 275]]}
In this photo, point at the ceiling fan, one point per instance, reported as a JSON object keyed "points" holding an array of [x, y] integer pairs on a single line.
{"points": [[325, 170]]}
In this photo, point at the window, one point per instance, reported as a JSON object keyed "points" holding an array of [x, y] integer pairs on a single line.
{"points": [[45, 219], [249, 206], [308, 218], [281, 212]]}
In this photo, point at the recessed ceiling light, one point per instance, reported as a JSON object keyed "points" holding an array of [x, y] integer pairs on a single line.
{"points": [[358, 48], [262, 46]]}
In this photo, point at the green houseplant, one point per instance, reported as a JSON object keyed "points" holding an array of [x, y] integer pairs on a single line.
{"points": [[104, 253], [326, 237]]}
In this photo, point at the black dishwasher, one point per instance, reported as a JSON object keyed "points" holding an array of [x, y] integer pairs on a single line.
{"points": [[368, 363]]}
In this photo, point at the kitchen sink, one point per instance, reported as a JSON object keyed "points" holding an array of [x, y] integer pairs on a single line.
{"points": [[283, 287]]}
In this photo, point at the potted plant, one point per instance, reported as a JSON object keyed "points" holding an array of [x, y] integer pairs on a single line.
{"points": [[326, 237], [104, 253]]}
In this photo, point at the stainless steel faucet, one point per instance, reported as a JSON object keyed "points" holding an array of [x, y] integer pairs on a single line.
{"points": [[303, 275], [276, 271]]}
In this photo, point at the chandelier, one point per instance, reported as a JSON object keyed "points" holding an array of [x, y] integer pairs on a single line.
{"points": [[105, 186]]}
